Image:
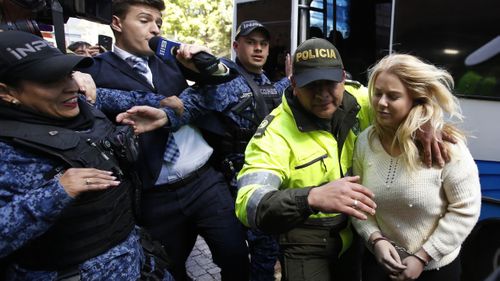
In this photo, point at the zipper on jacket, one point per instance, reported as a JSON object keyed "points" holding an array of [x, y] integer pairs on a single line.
{"points": [[312, 162], [324, 165]]}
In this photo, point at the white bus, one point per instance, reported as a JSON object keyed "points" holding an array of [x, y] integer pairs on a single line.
{"points": [[461, 35]]}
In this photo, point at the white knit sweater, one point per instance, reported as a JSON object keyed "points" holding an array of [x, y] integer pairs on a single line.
{"points": [[431, 208]]}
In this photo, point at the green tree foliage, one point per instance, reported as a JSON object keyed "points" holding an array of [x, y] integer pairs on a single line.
{"points": [[201, 22]]}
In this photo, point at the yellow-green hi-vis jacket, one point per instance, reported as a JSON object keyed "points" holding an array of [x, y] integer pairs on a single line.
{"points": [[292, 152]]}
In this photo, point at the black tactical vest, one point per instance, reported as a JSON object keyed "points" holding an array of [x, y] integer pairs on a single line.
{"points": [[95, 221], [222, 133], [264, 97]]}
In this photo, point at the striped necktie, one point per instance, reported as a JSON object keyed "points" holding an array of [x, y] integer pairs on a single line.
{"points": [[172, 152], [140, 65]]}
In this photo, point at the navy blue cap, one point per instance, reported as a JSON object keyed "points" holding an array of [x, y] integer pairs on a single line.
{"points": [[24, 56], [248, 26]]}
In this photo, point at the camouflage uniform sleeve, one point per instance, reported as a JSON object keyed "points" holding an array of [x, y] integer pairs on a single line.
{"points": [[29, 205], [200, 100], [113, 101], [194, 106], [223, 97], [282, 84]]}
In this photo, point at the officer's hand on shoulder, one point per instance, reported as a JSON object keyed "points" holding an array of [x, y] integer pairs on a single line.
{"points": [[432, 142], [345, 195]]}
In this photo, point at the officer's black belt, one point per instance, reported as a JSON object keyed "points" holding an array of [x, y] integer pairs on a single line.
{"points": [[183, 181], [338, 222]]}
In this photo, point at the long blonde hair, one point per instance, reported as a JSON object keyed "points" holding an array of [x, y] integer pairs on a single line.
{"points": [[430, 88]]}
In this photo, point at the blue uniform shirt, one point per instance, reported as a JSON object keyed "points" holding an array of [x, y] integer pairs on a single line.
{"points": [[220, 98]]}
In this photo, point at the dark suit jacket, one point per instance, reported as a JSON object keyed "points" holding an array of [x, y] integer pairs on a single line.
{"points": [[110, 71]]}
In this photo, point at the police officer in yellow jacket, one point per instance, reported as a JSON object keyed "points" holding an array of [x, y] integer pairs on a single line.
{"points": [[295, 180]]}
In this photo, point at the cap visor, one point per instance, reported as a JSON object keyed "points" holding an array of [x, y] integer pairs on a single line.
{"points": [[54, 68], [315, 74]]}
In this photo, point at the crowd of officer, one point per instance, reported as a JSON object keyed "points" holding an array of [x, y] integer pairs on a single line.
{"points": [[82, 199]]}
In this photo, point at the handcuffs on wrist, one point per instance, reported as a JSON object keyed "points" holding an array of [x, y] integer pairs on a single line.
{"points": [[399, 249]]}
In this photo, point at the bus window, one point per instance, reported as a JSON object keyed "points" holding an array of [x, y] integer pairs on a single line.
{"points": [[463, 37], [343, 17], [317, 19], [364, 36], [321, 18]]}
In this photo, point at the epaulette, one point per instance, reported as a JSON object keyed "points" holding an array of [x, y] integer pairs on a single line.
{"points": [[263, 126], [353, 83]]}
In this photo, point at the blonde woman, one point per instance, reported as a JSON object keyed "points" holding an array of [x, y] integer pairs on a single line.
{"points": [[423, 215]]}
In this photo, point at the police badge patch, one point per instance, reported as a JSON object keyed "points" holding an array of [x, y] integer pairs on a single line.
{"points": [[263, 126], [356, 128]]}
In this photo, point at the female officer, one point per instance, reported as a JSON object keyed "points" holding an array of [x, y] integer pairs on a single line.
{"points": [[65, 193], [423, 215]]}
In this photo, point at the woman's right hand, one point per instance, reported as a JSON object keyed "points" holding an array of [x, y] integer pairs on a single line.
{"points": [[387, 256], [78, 180]]}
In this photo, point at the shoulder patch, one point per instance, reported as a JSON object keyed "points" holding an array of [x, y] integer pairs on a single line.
{"points": [[246, 95], [263, 126], [356, 128]]}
